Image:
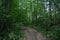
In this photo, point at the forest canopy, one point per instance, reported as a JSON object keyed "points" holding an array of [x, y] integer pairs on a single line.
{"points": [[42, 15]]}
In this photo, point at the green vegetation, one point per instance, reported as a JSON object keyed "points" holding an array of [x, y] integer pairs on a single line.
{"points": [[42, 15]]}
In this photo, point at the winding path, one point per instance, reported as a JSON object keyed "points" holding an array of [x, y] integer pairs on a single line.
{"points": [[31, 34]]}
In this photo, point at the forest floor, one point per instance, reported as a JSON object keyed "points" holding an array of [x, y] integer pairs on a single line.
{"points": [[31, 34]]}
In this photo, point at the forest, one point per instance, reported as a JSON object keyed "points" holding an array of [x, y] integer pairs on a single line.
{"points": [[40, 15]]}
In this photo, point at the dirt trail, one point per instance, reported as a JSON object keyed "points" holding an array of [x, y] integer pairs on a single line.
{"points": [[31, 34]]}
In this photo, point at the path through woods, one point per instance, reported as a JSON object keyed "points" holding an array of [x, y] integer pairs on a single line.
{"points": [[31, 34]]}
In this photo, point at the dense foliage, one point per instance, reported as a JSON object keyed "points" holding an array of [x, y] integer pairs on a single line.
{"points": [[42, 15], [9, 27]]}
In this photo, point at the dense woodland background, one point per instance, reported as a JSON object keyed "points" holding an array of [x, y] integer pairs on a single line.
{"points": [[41, 15]]}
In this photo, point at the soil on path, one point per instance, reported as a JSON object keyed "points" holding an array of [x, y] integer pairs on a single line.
{"points": [[31, 34]]}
